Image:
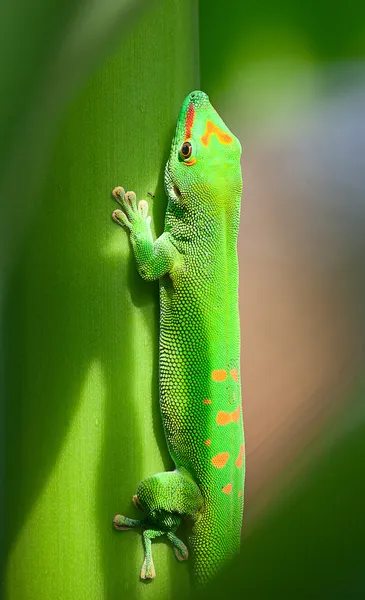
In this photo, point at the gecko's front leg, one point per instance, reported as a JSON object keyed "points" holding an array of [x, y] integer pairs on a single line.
{"points": [[154, 258]]}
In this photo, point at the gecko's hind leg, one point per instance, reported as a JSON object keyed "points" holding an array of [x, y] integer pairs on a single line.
{"points": [[148, 567], [165, 498]]}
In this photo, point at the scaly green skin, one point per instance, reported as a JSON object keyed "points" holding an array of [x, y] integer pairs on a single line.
{"points": [[200, 397]]}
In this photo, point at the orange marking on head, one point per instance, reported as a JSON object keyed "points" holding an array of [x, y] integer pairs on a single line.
{"points": [[239, 494], [219, 375], [207, 401], [234, 374], [189, 163], [212, 129], [223, 417], [220, 460], [227, 488], [239, 458], [208, 442]]}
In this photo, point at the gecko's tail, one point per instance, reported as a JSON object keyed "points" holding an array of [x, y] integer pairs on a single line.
{"points": [[215, 540]]}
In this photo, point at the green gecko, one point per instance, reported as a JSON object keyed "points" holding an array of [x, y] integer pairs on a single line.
{"points": [[195, 260]]}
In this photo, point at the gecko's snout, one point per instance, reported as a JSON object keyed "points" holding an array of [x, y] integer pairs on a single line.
{"points": [[198, 98]]}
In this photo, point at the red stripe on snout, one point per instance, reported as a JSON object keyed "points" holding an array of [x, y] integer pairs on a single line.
{"points": [[189, 121]]}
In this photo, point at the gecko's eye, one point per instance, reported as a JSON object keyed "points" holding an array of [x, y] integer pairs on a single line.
{"points": [[186, 150]]}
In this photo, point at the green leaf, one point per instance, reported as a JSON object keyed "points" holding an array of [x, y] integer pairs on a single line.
{"points": [[82, 418]]}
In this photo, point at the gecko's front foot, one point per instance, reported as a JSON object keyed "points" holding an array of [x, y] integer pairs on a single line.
{"points": [[134, 217]]}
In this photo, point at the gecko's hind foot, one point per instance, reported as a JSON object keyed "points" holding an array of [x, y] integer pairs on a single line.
{"points": [[123, 523], [181, 553], [180, 550]]}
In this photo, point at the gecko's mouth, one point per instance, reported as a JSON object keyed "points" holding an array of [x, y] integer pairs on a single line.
{"points": [[172, 189], [173, 192]]}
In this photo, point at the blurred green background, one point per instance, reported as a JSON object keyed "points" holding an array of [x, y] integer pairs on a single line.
{"points": [[90, 96]]}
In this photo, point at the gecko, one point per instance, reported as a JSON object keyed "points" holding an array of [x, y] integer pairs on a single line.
{"points": [[195, 260]]}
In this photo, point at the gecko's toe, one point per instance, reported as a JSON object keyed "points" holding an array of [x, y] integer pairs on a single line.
{"points": [[120, 217], [131, 198], [120, 523], [118, 193], [181, 552], [143, 208], [136, 502], [148, 570]]}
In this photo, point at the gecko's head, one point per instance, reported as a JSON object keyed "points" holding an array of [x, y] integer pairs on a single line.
{"points": [[205, 156]]}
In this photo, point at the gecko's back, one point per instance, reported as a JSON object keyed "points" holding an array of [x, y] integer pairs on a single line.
{"points": [[200, 395], [199, 336]]}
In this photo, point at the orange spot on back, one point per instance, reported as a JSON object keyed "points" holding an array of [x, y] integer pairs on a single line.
{"points": [[236, 414], [219, 375], [239, 458], [220, 460], [208, 442], [207, 401], [227, 488], [212, 129], [234, 374], [223, 417], [239, 494]]}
